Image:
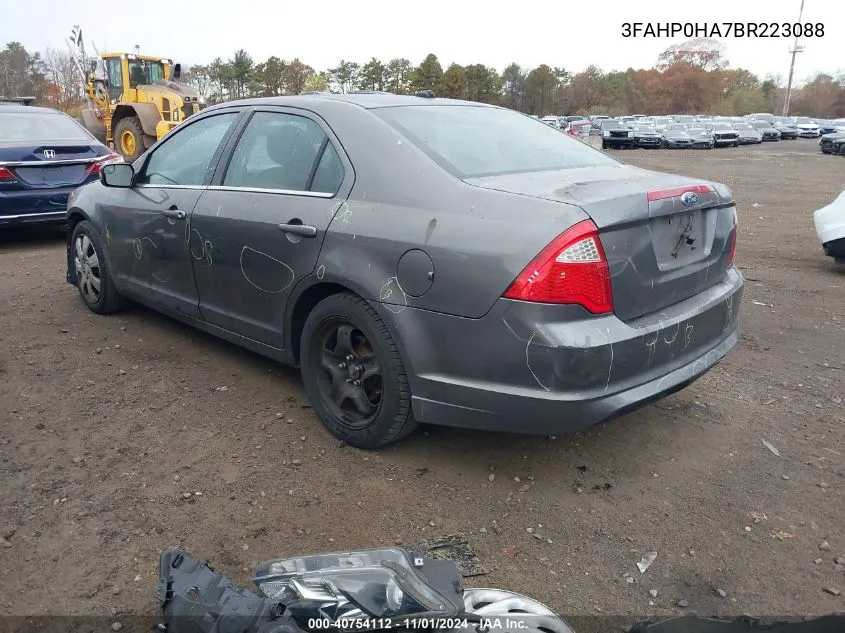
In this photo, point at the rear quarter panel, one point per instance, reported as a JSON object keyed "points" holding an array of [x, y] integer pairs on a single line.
{"points": [[478, 240]]}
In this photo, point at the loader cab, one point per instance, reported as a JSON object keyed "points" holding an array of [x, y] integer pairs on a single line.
{"points": [[126, 72]]}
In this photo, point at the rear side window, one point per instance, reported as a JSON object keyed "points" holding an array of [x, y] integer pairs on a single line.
{"points": [[329, 172], [474, 141], [279, 151], [40, 127]]}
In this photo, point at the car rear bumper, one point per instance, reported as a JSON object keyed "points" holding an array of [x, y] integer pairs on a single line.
{"points": [[545, 369], [830, 221], [53, 217], [31, 207], [725, 141], [835, 249]]}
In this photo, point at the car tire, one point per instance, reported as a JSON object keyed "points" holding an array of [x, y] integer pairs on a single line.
{"points": [[603, 145], [343, 326], [736, 143], [92, 267]]}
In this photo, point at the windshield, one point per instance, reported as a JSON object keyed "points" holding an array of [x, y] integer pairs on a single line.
{"points": [[744, 127], [721, 126], [474, 141], [40, 126], [685, 119], [646, 128], [676, 126], [611, 123], [143, 72], [761, 124], [803, 119]]}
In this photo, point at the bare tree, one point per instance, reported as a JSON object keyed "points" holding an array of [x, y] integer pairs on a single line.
{"points": [[62, 73]]}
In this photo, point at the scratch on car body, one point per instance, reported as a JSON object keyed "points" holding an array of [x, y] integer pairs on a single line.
{"points": [[528, 362], [688, 330], [386, 292], [610, 367]]}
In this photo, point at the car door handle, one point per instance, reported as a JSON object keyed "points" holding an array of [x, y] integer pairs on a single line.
{"points": [[173, 212], [304, 230]]}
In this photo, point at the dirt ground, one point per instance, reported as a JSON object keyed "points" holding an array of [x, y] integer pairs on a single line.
{"points": [[107, 424]]}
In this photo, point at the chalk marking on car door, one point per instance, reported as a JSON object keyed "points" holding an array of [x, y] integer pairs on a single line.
{"points": [[273, 259]]}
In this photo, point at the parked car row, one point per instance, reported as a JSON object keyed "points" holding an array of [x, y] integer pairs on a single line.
{"points": [[696, 134], [686, 131]]}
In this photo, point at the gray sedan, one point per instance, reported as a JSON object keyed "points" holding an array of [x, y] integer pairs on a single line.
{"points": [[420, 260]]}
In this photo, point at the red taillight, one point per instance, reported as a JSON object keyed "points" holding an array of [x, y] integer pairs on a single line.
{"points": [[672, 192], [6, 174], [572, 269], [732, 250], [105, 160]]}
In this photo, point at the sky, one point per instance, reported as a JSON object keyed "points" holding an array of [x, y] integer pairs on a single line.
{"points": [[571, 35]]}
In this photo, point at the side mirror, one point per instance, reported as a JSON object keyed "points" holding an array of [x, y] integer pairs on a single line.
{"points": [[117, 175], [177, 72]]}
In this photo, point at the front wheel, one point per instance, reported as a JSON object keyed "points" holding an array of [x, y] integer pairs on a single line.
{"points": [[353, 373], [129, 138], [93, 275]]}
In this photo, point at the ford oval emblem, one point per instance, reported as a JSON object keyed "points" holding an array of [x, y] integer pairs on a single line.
{"points": [[689, 198]]}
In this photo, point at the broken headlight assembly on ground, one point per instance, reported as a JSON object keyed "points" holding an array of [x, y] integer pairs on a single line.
{"points": [[367, 589], [386, 586]]}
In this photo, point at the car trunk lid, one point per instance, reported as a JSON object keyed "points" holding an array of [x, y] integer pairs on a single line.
{"points": [[49, 165], [662, 245]]}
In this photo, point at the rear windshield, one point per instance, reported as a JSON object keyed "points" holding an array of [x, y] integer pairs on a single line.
{"points": [[39, 127], [474, 141]]}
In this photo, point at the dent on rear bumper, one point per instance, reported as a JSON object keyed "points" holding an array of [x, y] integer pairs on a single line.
{"points": [[539, 368]]}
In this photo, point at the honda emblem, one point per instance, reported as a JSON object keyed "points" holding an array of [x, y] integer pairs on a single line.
{"points": [[49, 153]]}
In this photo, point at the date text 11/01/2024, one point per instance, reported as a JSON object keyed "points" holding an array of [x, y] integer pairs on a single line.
{"points": [[373, 624], [723, 29]]}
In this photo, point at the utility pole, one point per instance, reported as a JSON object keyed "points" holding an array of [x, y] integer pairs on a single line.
{"points": [[795, 50]]}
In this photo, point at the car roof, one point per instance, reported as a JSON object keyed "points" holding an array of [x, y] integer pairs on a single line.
{"points": [[8, 107], [368, 100]]}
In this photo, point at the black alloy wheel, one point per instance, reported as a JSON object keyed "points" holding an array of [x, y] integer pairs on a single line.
{"points": [[351, 382], [353, 373]]}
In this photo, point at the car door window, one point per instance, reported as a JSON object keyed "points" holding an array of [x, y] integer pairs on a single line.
{"points": [[329, 172], [185, 157], [276, 151]]}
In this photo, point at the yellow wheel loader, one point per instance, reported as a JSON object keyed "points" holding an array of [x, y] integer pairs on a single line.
{"points": [[134, 99]]}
